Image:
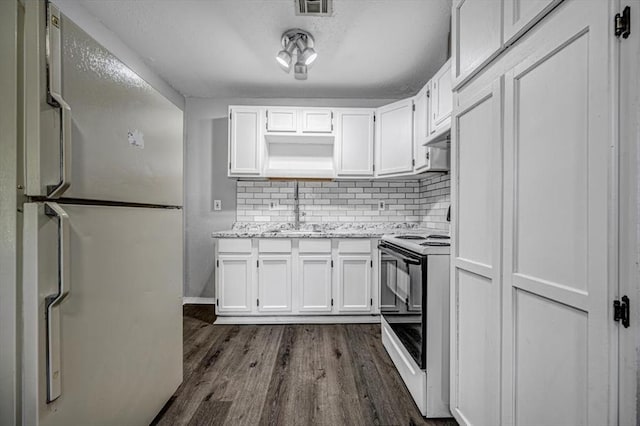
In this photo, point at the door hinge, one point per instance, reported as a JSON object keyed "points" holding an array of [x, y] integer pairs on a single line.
{"points": [[332, 263], [257, 302], [331, 302], [374, 118], [622, 23], [257, 263], [371, 300], [217, 302], [374, 167], [621, 311], [229, 115], [413, 162], [428, 93], [413, 107], [372, 263], [217, 263], [229, 165]]}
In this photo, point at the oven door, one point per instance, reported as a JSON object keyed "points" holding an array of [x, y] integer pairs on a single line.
{"points": [[403, 299]]}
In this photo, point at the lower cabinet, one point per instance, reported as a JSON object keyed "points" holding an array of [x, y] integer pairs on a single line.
{"points": [[296, 277], [314, 283], [274, 283], [234, 282], [354, 283]]}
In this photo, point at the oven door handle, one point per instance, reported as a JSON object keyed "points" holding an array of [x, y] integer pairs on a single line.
{"points": [[398, 255]]}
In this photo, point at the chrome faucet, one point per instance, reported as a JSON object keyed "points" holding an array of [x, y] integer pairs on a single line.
{"points": [[296, 206]]}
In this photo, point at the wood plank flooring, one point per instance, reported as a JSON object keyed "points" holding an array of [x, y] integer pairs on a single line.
{"points": [[287, 375]]}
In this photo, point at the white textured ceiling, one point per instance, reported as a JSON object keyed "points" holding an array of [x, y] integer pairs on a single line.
{"points": [[226, 48]]}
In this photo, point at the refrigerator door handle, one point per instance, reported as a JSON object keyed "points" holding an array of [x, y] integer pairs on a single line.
{"points": [[52, 302], [54, 65]]}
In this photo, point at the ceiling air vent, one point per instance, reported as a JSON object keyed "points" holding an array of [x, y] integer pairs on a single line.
{"points": [[314, 7]]}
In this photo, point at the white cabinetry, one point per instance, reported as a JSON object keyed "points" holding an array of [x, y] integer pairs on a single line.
{"points": [[317, 121], [394, 138], [274, 275], [314, 281], [476, 36], [354, 142], [421, 127], [282, 119], [274, 283], [515, 294], [441, 100], [234, 276], [245, 141], [353, 276]]}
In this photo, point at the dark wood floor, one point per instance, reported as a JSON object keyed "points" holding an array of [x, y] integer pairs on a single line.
{"points": [[287, 375]]}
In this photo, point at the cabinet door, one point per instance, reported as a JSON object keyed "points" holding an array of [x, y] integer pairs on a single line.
{"points": [[245, 153], [476, 249], [421, 126], [476, 36], [354, 142], [235, 279], [520, 15], [394, 138], [558, 256], [282, 120], [441, 100], [274, 283], [317, 121], [314, 281], [354, 283]]}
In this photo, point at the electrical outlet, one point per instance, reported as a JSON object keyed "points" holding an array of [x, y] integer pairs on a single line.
{"points": [[217, 204], [382, 205], [273, 205]]}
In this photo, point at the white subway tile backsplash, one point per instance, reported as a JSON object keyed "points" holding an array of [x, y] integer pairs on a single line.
{"points": [[423, 201]]}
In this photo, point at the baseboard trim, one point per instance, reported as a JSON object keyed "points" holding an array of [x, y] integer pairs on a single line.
{"points": [[198, 301], [306, 319]]}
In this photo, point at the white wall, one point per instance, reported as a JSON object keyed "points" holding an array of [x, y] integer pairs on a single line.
{"points": [[206, 179]]}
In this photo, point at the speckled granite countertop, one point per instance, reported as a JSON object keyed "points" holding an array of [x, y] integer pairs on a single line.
{"points": [[320, 230]]}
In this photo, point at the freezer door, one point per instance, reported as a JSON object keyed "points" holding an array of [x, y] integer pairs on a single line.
{"points": [[110, 351], [119, 139]]}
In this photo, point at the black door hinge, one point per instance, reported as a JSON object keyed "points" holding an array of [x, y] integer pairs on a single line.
{"points": [[371, 300], [331, 302], [621, 311], [257, 263], [217, 302], [413, 162], [622, 23], [257, 302], [372, 263], [217, 263], [229, 115], [332, 263], [413, 107]]}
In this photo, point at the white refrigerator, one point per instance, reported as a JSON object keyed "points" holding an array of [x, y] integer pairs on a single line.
{"points": [[101, 234]]}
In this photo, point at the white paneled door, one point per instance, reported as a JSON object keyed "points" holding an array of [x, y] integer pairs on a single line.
{"points": [[557, 251], [475, 301]]}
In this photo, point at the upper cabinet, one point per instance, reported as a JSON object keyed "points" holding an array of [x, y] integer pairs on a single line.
{"points": [[317, 121], [245, 136], [282, 120], [476, 35], [354, 142], [482, 29], [394, 138], [421, 127], [441, 101]]}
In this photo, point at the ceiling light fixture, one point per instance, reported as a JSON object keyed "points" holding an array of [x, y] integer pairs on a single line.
{"points": [[300, 42]]}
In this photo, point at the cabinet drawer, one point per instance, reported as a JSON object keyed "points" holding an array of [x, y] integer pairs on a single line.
{"points": [[234, 245], [315, 246], [274, 246], [354, 246]]}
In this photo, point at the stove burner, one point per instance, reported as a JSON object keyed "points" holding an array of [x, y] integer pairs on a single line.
{"points": [[410, 237], [438, 237]]}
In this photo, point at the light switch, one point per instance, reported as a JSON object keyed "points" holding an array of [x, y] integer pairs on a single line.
{"points": [[217, 204], [381, 205], [273, 205]]}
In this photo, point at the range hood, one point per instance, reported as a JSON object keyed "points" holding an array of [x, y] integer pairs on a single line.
{"points": [[299, 156]]}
